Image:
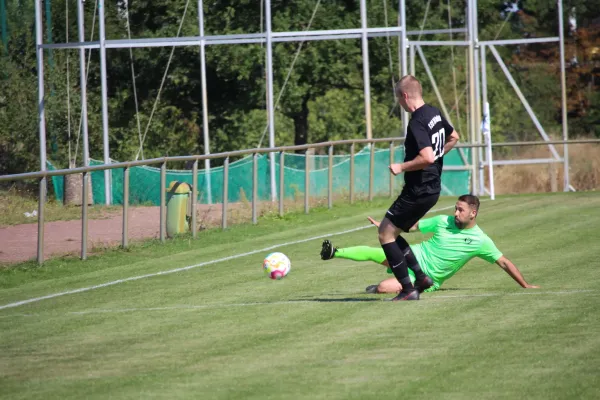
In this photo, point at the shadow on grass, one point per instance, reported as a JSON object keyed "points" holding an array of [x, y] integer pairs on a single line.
{"points": [[341, 300]]}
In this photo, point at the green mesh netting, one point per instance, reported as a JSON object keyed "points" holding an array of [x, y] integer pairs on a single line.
{"points": [[144, 185]]}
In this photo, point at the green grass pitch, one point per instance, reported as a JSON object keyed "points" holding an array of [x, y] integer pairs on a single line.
{"points": [[226, 331]]}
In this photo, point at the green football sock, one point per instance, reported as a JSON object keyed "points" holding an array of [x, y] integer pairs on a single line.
{"points": [[361, 253]]}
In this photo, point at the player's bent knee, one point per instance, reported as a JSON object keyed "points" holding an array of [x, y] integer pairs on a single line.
{"points": [[384, 238], [387, 232]]}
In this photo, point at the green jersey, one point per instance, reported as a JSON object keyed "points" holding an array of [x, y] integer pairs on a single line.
{"points": [[450, 248]]}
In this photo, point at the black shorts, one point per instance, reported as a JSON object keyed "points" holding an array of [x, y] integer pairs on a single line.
{"points": [[410, 208]]}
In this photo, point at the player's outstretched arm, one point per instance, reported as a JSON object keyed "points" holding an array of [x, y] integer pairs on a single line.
{"points": [[514, 272], [451, 141]]}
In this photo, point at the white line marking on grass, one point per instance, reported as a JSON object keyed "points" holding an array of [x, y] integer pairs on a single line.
{"points": [[168, 308], [19, 315], [171, 271], [288, 302]]}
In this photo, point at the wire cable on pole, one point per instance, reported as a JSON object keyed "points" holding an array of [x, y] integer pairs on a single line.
{"points": [[389, 49], [135, 98], [503, 23], [456, 99], [424, 19], [287, 78], [164, 78], [418, 38]]}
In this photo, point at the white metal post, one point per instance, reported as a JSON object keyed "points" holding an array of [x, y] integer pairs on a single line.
{"points": [[472, 99], [207, 178], [39, 40], [477, 103], [366, 71], [105, 142], [485, 128], [487, 133], [563, 92], [83, 84], [412, 59], [270, 107], [484, 92], [84, 128], [403, 58]]}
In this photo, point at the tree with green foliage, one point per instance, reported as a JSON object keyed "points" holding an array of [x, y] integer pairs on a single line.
{"points": [[322, 99]]}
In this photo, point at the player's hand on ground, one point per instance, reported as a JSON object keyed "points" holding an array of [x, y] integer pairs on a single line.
{"points": [[395, 168], [528, 286], [374, 222]]}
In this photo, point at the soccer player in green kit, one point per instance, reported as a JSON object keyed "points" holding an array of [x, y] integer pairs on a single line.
{"points": [[455, 241]]}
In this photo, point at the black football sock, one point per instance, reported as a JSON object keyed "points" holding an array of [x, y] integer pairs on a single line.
{"points": [[411, 260], [397, 262]]}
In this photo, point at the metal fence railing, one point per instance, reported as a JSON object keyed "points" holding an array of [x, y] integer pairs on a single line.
{"points": [[42, 176]]}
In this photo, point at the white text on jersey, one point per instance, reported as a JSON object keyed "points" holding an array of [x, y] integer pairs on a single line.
{"points": [[434, 121]]}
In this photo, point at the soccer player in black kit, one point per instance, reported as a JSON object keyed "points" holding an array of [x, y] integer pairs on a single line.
{"points": [[429, 136]]}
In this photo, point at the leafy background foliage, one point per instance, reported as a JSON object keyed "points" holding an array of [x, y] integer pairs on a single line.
{"points": [[323, 98]]}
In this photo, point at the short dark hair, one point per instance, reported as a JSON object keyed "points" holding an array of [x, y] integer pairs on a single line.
{"points": [[471, 200], [409, 84]]}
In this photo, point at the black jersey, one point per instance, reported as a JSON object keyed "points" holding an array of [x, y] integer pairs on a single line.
{"points": [[427, 127]]}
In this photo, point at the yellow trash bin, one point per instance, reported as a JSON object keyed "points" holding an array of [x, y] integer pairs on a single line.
{"points": [[178, 195]]}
